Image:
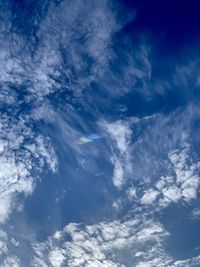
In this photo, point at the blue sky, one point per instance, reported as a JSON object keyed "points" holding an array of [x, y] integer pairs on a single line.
{"points": [[126, 71]]}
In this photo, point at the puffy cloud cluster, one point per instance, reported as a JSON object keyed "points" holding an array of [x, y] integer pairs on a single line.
{"points": [[133, 242], [103, 244], [181, 185], [23, 154], [6, 246]]}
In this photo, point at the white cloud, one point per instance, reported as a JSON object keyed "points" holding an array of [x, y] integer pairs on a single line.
{"points": [[182, 185], [186, 176], [3, 243], [37, 262], [56, 257], [149, 197], [68, 38], [24, 153], [193, 262], [160, 184], [117, 205], [120, 134], [118, 174], [18, 161], [11, 261], [131, 192], [179, 184], [171, 194], [104, 244], [59, 35], [196, 213]]}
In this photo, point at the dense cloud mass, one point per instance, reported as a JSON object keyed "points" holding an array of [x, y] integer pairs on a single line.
{"points": [[72, 69]]}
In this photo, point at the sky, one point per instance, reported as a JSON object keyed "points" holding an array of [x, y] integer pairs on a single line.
{"points": [[99, 133]]}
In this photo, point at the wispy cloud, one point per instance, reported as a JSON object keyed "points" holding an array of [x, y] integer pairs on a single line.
{"points": [[120, 135]]}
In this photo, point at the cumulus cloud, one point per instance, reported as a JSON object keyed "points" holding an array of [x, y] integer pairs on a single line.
{"points": [[184, 185], [181, 186], [56, 257], [22, 153], [104, 244], [149, 197], [107, 244], [7, 257], [11, 261]]}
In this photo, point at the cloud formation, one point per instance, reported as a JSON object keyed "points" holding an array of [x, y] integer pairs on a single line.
{"points": [[120, 135], [59, 76], [23, 154], [103, 244]]}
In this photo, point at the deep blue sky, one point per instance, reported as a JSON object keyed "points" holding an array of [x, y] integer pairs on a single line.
{"points": [[179, 19]]}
